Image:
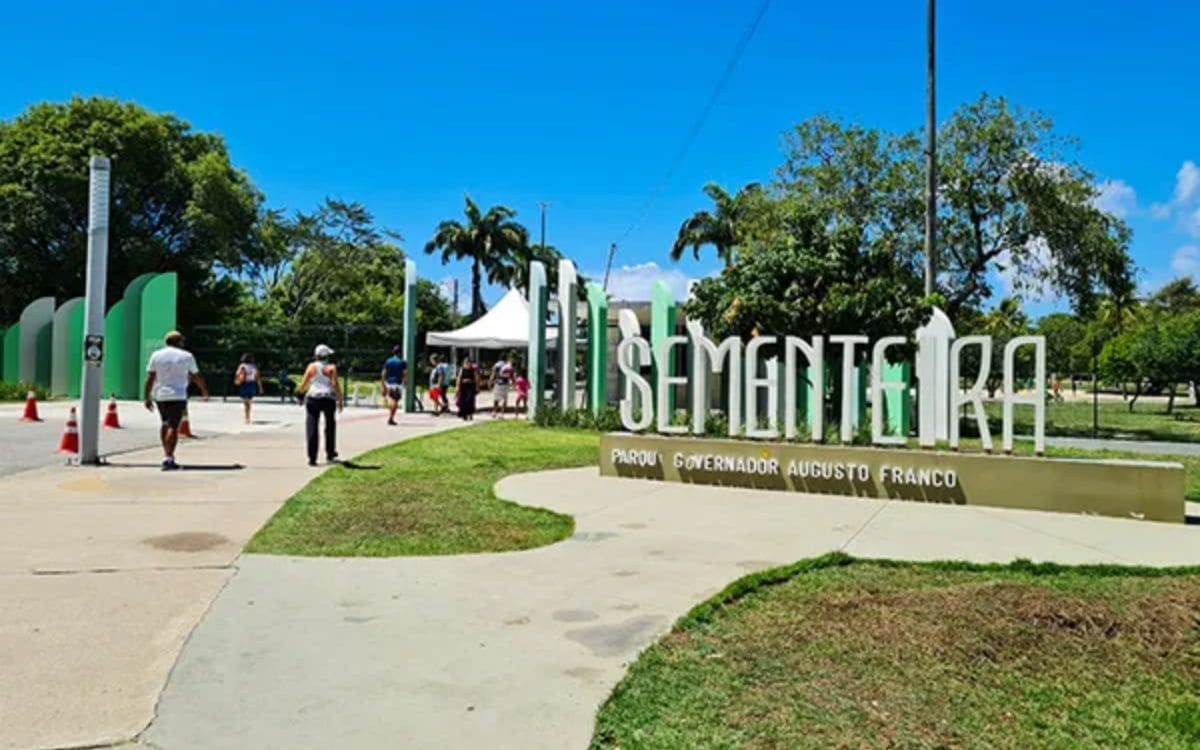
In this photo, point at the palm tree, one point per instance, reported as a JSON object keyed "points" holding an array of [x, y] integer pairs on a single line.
{"points": [[491, 240], [720, 227], [516, 273]]}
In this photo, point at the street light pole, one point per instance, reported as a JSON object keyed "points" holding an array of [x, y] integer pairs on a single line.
{"points": [[94, 288], [542, 205], [930, 153]]}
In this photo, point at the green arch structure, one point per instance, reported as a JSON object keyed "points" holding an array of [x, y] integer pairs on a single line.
{"points": [[67, 343], [37, 333], [12, 354], [134, 327]]}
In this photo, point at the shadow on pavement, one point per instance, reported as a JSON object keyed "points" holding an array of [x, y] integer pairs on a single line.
{"points": [[359, 467], [182, 467], [1192, 520]]}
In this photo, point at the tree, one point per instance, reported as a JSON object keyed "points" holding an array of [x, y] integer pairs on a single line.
{"points": [[720, 227], [1003, 323], [516, 273], [492, 241], [816, 282], [178, 204], [1162, 350], [1012, 203], [1064, 336]]}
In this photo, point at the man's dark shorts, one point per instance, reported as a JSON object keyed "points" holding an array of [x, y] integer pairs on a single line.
{"points": [[171, 412]]}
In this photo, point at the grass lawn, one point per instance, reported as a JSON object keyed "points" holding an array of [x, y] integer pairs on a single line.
{"points": [[1148, 421], [430, 496], [836, 653]]}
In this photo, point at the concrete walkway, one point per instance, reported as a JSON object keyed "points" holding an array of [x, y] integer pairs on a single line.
{"points": [[1154, 447], [518, 650], [105, 571]]}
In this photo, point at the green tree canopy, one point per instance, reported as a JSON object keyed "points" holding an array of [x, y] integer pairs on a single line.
{"points": [[493, 241], [1011, 201], [178, 204]]}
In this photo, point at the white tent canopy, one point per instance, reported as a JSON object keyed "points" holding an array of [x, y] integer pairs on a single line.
{"points": [[505, 326]]}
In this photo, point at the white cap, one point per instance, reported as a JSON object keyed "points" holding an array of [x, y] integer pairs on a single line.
{"points": [[322, 351]]}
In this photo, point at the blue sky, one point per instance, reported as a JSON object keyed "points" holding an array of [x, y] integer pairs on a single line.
{"points": [[405, 106]]}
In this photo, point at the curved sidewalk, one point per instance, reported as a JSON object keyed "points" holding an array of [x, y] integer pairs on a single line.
{"points": [[517, 650], [105, 571]]}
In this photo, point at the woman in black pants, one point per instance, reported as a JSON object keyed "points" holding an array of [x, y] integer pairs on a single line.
{"points": [[322, 396]]}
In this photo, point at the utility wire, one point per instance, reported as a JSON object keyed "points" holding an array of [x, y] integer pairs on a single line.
{"points": [[698, 125]]}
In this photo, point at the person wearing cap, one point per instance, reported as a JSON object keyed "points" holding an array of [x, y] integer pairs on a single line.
{"points": [[392, 379], [168, 374], [322, 397]]}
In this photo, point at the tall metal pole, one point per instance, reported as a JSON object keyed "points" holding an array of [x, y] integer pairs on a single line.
{"points": [[612, 250], [93, 326], [542, 206], [930, 156]]}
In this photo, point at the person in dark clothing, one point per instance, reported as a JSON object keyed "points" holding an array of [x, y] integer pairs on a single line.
{"points": [[322, 397], [392, 381], [468, 386]]}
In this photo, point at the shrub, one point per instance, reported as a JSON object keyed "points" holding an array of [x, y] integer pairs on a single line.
{"points": [[18, 391]]}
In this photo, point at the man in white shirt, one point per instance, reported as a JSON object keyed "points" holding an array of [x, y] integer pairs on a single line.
{"points": [[168, 374]]}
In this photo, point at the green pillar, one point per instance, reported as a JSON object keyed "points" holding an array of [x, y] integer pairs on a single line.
{"points": [[410, 335], [115, 350], [597, 351], [662, 324], [860, 395], [156, 317], [66, 361], [897, 405], [12, 354], [535, 356]]}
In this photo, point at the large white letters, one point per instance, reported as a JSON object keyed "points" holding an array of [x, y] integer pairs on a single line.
{"points": [[849, 389], [1038, 399], [878, 358], [666, 381], [632, 354], [974, 394], [708, 357], [815, 354], [754, 384]]}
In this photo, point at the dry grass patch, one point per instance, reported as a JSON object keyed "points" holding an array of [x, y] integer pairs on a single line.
{"points": [[850, 654]]}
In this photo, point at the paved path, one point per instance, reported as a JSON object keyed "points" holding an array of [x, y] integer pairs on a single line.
{"points": [[1159, 447], [518, 650], [105, 571]]}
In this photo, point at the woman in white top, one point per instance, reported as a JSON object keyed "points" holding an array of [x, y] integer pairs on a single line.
{"points": [[248, 382], [322, 396]]}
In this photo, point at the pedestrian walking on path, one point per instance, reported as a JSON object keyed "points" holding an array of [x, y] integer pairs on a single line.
{"points": [[439, 384], [468, 386], [168, 374], [501, 381], [322, 397], [392, 379], [248, 382]]}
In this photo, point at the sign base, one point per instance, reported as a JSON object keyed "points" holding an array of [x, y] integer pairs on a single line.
{"points": [[1143, 490]]}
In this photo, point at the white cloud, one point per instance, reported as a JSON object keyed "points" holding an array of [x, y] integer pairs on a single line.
{"points": [[635, 282], [1186, 260], [1116, 197], [1187, 182]]}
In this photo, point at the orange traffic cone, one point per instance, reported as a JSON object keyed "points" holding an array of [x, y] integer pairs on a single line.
{"points": [[70, 438], [110, 416], [185, 429], [30, 414]]}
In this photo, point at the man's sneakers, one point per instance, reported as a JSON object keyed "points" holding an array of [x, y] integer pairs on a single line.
{"points": [[392, 422], [168, 464]]}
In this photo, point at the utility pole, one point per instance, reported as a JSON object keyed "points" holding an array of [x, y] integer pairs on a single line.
{"points": [[93, 325], [542, 205], [930, 154], [454, 292], [612, 250]]}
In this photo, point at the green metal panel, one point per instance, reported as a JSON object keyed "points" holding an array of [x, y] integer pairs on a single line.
{"points": [[67, 356], [597, 350], [662, 325], [156, 318], [114, 351], [37, 333], [897, 405], [410, 335], [12, 354], [535, 358], [132, 368]]}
